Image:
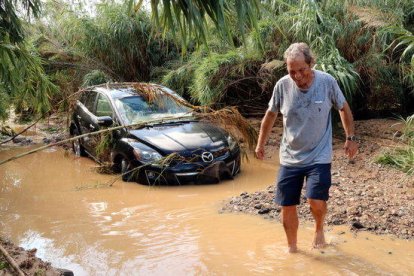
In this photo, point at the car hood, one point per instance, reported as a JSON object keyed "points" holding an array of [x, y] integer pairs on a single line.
{"points": [[181, 136]]}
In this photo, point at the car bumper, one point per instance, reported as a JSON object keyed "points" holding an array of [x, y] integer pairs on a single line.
{"points": [[183, 173]]}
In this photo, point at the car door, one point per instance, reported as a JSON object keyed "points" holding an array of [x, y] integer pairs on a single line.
{"points": [[86, 118], [103, 108]]}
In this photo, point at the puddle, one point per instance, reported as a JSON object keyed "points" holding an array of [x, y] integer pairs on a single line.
{"points": [[58, 204]]}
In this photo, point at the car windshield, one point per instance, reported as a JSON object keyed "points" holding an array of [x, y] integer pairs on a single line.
{"points": [[136, 109]]}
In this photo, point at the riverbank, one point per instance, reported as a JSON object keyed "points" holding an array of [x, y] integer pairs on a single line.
{"points": [[25, 262], [364, 195]]}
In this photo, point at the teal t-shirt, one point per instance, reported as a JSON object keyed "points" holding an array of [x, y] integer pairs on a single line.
{"points": [[307, 123]]}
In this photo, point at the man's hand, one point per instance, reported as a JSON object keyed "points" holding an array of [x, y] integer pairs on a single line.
{"points": [[351, 148], [265, 128], [259, 152]]}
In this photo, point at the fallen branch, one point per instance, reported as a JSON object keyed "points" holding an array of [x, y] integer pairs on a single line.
{"points": [[84, 135], [11, 261], [218, 117]]}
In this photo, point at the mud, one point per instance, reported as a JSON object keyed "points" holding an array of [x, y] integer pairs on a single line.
{"points": [[26, 260]]}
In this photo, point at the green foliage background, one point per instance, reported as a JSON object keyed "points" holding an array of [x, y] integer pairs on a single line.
{"points": [[214, 53]]}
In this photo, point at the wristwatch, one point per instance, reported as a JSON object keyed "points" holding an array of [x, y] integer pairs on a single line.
{"points": [[352, 138]]}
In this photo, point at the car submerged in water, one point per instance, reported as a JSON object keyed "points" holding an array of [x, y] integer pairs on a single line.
{"points": [[157, 139]]}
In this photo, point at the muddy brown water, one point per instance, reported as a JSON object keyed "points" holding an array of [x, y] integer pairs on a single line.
{"points": [[58, 204]]}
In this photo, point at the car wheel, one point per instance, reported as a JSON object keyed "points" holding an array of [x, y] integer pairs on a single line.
{"points": [[76, 145], [237, 168], [126, 168]]}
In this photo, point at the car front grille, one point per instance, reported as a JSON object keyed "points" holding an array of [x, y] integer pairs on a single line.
{"points": [[195, 157]]}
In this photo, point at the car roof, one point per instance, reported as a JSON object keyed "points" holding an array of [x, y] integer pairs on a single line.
{"points": [[127, 89], [117, 93]]}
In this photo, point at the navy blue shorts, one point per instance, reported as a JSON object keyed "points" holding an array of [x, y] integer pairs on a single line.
{"points": [[291, 179]]}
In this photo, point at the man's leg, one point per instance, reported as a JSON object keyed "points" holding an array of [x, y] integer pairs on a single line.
{"points": [[289, 186], [290, 224], [318, 182], [318, 209]]}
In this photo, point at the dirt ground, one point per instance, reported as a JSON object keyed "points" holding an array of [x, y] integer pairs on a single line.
{"points": [[27, 262], [364, 195]]}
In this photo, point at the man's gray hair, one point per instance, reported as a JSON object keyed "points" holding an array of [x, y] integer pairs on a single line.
{"points": [[299, 49]]}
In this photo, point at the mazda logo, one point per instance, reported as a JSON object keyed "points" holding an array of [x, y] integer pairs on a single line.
{"points": [[207, 157]]}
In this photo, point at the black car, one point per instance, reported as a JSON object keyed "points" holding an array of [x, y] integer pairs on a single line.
{"points": [[166, 143]]}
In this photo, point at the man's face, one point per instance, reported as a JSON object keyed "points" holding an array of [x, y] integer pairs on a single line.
{"points": [[300, 71]]}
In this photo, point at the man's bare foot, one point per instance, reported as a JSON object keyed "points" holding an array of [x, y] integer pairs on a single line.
{"points": [[292, 249], [319, 240]]}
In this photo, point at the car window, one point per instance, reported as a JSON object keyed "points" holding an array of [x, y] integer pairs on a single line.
{"points": [[89, 102], [103, 106], [135, 109]]}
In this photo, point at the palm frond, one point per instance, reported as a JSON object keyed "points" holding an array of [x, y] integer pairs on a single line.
{"points": [[403, 44], [331, 61], [189, 18], [24, 80], [11, 24]]}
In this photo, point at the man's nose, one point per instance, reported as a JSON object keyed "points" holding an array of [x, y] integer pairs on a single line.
{"points": [[298, 76]]}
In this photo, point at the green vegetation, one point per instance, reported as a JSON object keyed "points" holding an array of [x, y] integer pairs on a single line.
{"points": [[23, 81], [219, 53], [192, 18], [40, 272], [402, 157], [3, 265]]}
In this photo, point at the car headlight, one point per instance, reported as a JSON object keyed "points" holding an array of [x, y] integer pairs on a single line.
{"points": [[144, 153], [231, 142]]}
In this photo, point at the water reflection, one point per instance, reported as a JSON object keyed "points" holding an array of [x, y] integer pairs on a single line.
{"points": [[131, 229]]}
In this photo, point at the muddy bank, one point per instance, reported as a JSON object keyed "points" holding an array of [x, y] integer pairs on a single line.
{"points": [[16, 134], [364, 195], [26, 262]]}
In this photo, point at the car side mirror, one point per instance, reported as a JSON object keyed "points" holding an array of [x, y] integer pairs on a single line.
{"points": [[105, 121]]}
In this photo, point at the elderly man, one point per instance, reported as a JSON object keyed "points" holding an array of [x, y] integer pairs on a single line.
{"points": [[305, 98]]}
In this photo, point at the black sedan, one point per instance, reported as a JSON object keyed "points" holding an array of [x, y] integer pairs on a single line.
{"points": [[156, 140]]}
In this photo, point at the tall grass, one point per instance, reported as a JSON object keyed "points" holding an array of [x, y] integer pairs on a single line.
{"points": [[402, 157], [403, 45], [331, 61], [181, 77], [214, 74]]}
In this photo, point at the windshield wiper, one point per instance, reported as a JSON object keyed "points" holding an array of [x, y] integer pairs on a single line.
{"points": [[171, 122]]}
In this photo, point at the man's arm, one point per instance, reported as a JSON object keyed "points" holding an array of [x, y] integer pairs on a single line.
{"points": [[350, 147], [265, 128]]}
